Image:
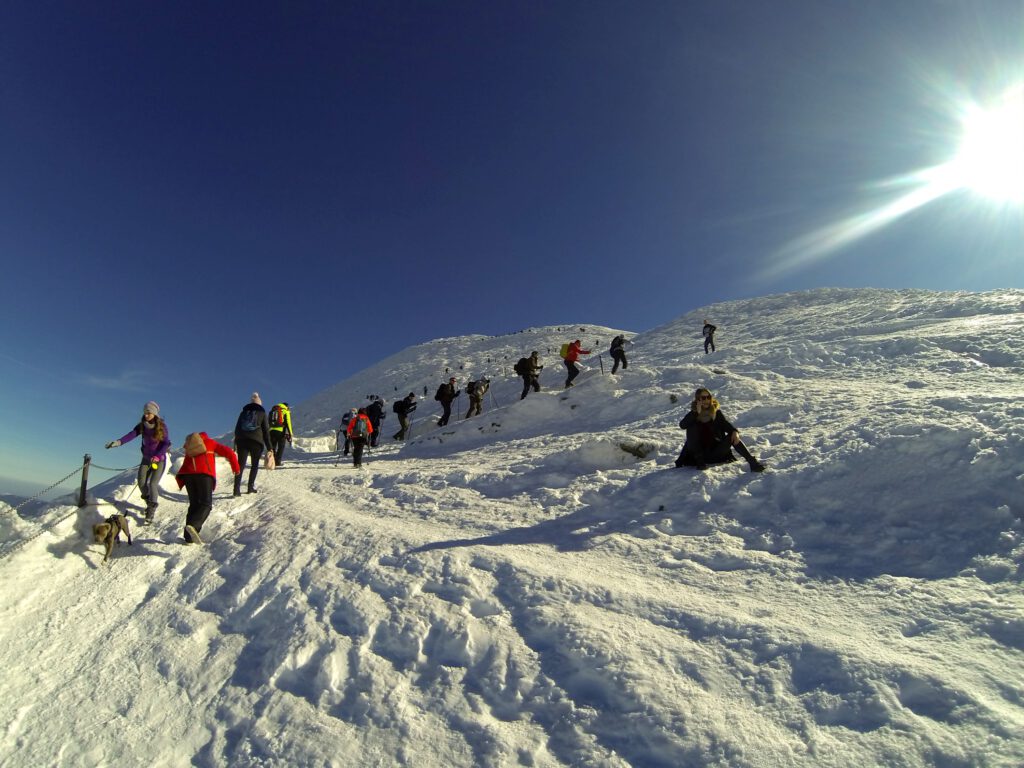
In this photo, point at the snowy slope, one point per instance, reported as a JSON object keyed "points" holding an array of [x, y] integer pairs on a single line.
{"points": [[520, 589]]}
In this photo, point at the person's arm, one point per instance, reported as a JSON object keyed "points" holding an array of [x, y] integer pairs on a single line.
{"points": [[266, 432], [225, 452]]}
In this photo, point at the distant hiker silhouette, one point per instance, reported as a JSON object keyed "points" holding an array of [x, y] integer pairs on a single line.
{"points": [[709, 336]]}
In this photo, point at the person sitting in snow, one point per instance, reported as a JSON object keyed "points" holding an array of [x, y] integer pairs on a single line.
{"points": [[710, 437]]}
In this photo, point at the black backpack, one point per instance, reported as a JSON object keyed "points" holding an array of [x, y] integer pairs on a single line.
{"points": [[470, 387], [523, 366]]}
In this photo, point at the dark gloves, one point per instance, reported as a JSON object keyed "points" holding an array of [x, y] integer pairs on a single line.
{"points": [[113, 444]]}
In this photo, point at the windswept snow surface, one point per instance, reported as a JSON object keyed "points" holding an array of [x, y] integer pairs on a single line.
{"points": [[520, 589]]}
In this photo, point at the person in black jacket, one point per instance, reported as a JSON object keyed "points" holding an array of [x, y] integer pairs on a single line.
{"points": [[375, 411], [529, 368], [251, 437], [709, 336], [445, 394], [403, 408], [710, 437], [618, 353]]}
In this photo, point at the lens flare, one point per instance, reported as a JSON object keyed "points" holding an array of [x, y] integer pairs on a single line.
{"points": [[988, 162]]}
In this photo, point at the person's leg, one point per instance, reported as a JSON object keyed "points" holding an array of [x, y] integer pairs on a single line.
{"points": [[140, 480], [280, 443], [255, 452], [358, 444], [153, 488], [200, 501], [755, 465], [526, 387], [568, 374]]}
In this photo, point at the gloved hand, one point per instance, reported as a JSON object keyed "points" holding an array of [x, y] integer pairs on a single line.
{"points": [[289, 438], [113, 444]]}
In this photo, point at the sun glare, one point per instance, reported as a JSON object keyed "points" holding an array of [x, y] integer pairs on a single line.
{"points": [[990, 158], [987, 160]]}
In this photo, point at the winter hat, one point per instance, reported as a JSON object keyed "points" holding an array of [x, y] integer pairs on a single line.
{"points": [[151, 407], [256, 398], [412, 394]]}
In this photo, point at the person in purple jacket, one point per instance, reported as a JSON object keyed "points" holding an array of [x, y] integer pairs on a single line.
{"points": [[156, 441]]}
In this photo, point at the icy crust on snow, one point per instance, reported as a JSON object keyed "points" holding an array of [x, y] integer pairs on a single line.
{"points": [[540, 586]]}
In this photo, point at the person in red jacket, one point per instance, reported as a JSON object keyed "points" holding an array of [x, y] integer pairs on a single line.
{"points": [[198, 475], [359, 430], [571, 356]]}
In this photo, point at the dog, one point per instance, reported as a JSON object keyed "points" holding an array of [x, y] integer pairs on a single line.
{"points": [[109, 531]]}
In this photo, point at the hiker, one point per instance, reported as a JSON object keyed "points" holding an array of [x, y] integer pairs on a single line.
{"points": [[445, 394], [529, 368], [709, 336], [280, 431], [198, 475], [403, 408], [476, 391], [375, 411], [155, 443], [618, 353], [571, 356], [251, 437], [359, 431], [710, 437], [343, 429]]}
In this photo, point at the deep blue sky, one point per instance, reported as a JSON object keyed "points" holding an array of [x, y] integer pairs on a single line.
{"points": [[202, 199]]}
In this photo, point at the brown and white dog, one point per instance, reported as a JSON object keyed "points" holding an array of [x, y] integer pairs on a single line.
{"points": [[110, 531]]}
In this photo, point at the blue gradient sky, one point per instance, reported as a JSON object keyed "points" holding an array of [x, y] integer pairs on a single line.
{"points": [[198, 200]]}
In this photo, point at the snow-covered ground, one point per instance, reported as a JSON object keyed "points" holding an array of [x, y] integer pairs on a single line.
{"points": [[523, 589]]}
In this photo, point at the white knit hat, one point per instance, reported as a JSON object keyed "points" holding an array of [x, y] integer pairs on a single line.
{"points": [[256, 398]]}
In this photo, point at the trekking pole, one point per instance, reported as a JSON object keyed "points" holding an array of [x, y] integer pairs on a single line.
{"points": [[600, 360]]}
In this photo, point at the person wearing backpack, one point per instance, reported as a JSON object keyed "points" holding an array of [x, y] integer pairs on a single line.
{"points": [[280, 431], [445, 394], [709, 336], [375, 411], [343, 429], [529, 368], [476, 391], [198, 476], [618, 353], [156, 441], [402, 409], [251, 437], [572, 353], [359, 431]]}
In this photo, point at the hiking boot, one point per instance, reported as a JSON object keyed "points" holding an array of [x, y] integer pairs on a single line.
{"points": [[756, 466], [252, 489], [149, 515], [237, 492], [192, 535]]}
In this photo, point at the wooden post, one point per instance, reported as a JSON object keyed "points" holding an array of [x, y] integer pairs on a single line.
{"points": [[85, 480]]}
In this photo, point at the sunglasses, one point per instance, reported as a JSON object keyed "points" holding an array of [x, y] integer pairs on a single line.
{"points": [[704, 397]]}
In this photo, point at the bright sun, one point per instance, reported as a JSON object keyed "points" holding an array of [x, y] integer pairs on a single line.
{"points": [[990, 158]]}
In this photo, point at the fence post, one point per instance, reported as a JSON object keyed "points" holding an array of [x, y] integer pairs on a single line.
{"points": [[85, 480]]}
